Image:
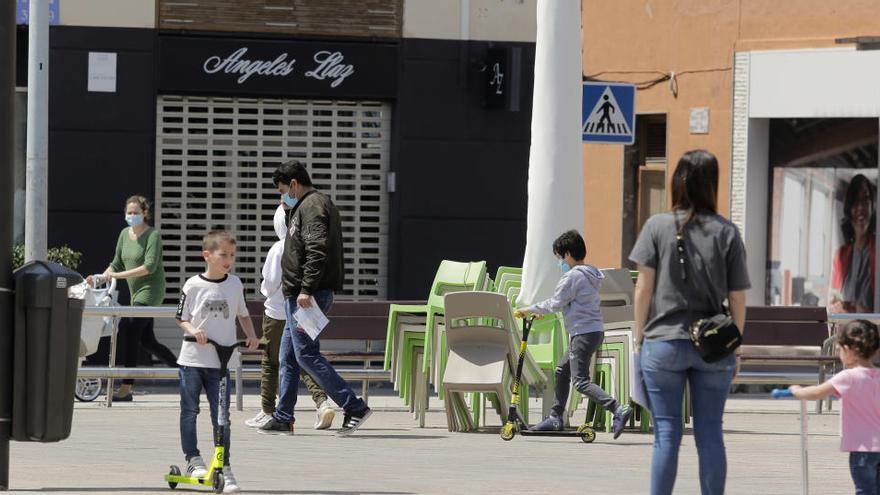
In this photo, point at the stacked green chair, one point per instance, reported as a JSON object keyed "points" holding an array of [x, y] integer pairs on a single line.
{"points": [[603, 374], [406, 346], [507, 281], [507, 269]]}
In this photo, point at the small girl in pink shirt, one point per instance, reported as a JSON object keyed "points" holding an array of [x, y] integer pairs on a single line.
{"points": [[858, 387]]}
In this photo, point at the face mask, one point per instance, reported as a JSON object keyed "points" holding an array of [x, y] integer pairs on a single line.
{"points": [[134, 220], [290, 202], [563, 266]]}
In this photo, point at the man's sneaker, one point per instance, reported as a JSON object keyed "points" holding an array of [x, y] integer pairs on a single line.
{"points": [[354, 421], [275, 427], [550, 423], [258, 420], [196, 468], [325, 415], [621, 418], [230, 485]]}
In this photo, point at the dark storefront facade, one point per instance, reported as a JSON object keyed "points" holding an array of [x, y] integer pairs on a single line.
{"points": [[426, 159]]}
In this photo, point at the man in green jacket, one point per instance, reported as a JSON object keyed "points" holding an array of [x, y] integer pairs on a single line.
{"points": [[311, 271]]}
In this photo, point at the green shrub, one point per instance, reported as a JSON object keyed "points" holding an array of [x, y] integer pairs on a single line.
{"points": [[63, 255]]}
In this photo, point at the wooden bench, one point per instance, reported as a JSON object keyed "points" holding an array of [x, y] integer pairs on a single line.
{"points": [[784, 345], [365, 321]]}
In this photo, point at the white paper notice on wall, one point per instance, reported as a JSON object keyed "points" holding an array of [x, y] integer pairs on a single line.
{"points": [[102, 72], [699, 121]]}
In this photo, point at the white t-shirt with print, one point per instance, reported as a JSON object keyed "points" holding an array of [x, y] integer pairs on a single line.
{"points": [[212, 306]]}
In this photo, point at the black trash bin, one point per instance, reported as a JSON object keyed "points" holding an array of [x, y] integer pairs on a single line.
{"points": [[46, 351]]}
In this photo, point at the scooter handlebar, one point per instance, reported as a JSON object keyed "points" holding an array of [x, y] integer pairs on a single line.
{"points": [[531, 316], [190, 338], [780, 393]]}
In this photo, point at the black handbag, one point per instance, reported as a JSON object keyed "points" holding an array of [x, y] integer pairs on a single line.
{"points": [[717, 336]]}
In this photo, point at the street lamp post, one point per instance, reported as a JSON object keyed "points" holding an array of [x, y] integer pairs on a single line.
{"points": [[37, 192]]}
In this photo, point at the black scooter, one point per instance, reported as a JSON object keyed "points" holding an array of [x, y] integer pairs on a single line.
{"points": [[515, 423]]}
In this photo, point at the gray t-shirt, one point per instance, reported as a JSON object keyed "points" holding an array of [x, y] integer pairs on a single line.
{"points": [[713, 245]]}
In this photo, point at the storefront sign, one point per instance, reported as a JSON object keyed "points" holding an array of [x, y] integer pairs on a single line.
{"points": [[495, 72], [236, 66]]}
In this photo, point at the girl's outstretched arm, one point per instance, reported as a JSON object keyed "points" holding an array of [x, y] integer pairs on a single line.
{"points": [[814, 392]]}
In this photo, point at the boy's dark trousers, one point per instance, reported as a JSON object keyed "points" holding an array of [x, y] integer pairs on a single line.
{"points": [[271, 340], [575, 368]]}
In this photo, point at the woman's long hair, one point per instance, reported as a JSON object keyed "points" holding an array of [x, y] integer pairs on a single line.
{"points": [[852, 195], [695, 184]]}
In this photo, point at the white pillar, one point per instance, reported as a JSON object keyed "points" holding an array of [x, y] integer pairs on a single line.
{"points": [[37, 189], [465, 20], [556, 179]]}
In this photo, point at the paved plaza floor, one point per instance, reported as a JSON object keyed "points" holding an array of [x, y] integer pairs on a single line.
{"points": [[127, 449]]}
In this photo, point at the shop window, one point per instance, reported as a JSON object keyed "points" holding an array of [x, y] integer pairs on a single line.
{"points": [[644, 179], [822, 219], [215, 171]]}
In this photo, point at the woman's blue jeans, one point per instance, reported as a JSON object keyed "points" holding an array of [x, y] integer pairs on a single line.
{"points": [[667, 367]]}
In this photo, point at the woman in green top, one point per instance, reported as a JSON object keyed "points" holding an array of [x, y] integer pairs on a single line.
{"points": [[138, 260]]}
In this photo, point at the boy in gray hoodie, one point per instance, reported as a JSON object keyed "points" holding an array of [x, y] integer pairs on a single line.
{"points": [[577, 296]]}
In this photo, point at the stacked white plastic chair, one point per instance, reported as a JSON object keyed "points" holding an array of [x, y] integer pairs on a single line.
{"points": [[483, 343]]}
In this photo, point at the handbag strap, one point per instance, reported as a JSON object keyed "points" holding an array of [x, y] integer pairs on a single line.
{"points": [[685, 263]]}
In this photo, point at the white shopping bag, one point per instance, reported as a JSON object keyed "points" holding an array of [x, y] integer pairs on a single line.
{"points": [[94, 327]]}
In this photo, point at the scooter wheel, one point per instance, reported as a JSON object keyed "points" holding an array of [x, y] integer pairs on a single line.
{"points": [[217, 482], [588, 435], [508, 431], [175, 471]]}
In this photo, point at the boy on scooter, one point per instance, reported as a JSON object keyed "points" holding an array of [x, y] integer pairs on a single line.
{"points": [[209, 305], [577, 296]]}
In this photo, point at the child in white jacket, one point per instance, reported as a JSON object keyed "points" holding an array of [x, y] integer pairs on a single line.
{"points": [[274, 319]]}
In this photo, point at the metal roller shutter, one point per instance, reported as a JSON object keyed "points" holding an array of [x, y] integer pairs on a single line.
{"points": [[214, 162]]}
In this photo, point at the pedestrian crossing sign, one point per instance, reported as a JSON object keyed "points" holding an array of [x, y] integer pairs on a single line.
{"points": [[609, 113]]}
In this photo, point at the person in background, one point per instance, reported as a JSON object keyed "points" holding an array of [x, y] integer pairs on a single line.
{"points": [[854, 264], [670, 294], [138, 261], [274, 319], [210, 303], [577, 297], [311, 272], [858, 388]]}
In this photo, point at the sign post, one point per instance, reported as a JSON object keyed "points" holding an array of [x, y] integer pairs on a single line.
{"points": [[609, 113]]}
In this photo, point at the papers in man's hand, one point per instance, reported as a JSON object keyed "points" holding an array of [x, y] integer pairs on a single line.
{"points": [[311, 319]]}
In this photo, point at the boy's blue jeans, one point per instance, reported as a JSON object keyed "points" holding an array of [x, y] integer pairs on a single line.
{"points": [[299, 350], [668, 366], [192, 381], [865, 470]]}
